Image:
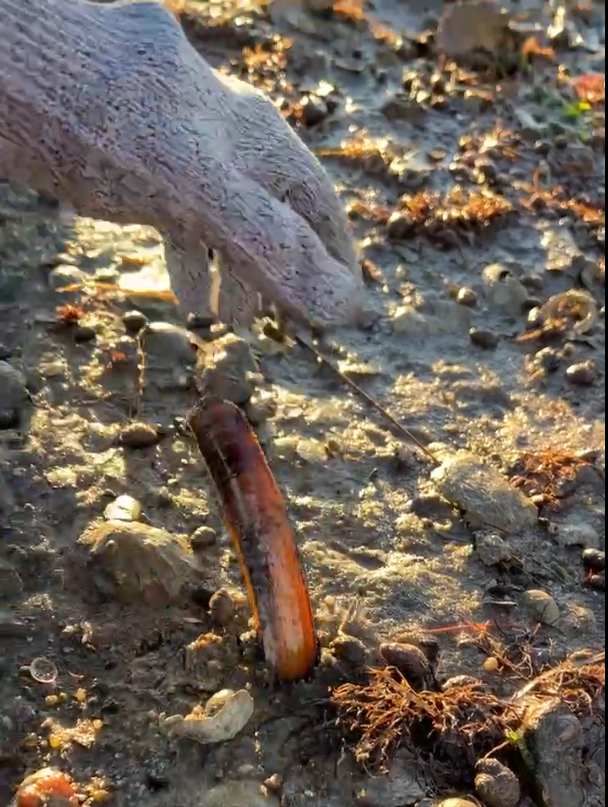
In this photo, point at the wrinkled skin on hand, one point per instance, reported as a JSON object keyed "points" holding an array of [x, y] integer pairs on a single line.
{"points": [[120, 117]]}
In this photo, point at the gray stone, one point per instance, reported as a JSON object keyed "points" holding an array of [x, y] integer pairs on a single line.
{"points": [[554, 737], [123, 508], [166, 344], [483, 494], [503, 290], [580, 534], [401, 787], [13, 392], [491, 549], [64, 276], [239, 794], [542, 606], [136, 563], [228, 369]]}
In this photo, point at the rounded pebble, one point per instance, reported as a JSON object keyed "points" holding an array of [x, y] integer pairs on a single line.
{"points": [[222, 608], [594, 560], [456, 802], [134, 321], [399, 226], [487, 340], [139, 435], [496, 785], [467, 297], [9, 418], [203, 538], [349, 649], [582, 373], [598, 581], [542, 606], [411, 663], [84, 333]]}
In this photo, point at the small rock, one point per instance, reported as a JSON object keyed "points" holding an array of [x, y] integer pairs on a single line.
{"points": [[222, 608], [139, 435], [467, 297], [442, 317], [11, 584], [203, 538], [547, 359], [228, 369], [314, 110], [399, 225], [260, 409], [84, 333], [13, 392], [483, 494], [167, 344], [542, 606], [140, 564], [124, 508], [580, 534], [491, 549], [503, 290], [5, 352], [207, 728], [246, 793], [496, 785], [411, 663], [349, 649], [594, 560], [401, 787], [64, 276], [9, 418], [455, 802], [488, 340], [583, 373], [598, 581], [554, 737], [134, 321], [470, 27]]}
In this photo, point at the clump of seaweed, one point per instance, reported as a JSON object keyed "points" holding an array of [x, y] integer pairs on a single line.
{"points": [[593, 214], [546, 472], [451, 730]]}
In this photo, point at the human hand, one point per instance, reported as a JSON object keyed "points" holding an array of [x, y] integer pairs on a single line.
{"points": [[122, 118]]}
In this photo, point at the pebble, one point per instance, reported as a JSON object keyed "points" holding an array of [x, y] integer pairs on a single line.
{"points": [[314, 110], [349, 649], [167, 344], [467, 297], [580, 534], [483, 494], [139, 435], [554, 738], [594, 560], [11, 584], [9, 418], [503, 290], [582, 373], [203, 538], [491, 549], [239, 794], [63, 276], [136, 563], [496, 785], [134, 322], [542, 606], [399, 226], [484, 339], [5, 352], [124, 508], [13, 392], [403, 785], [456, 802], [222, 608], [227, 369], [84, 333], [411, 663], [260, 409], [598, 581]]}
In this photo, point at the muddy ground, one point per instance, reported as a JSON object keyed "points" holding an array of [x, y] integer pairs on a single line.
{"points": [[472, 164]]}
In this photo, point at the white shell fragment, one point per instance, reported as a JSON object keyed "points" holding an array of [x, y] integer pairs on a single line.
{"points": [[209, 726]]}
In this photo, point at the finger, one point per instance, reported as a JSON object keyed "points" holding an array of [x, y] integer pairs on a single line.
{"points": [[272, 249]]}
